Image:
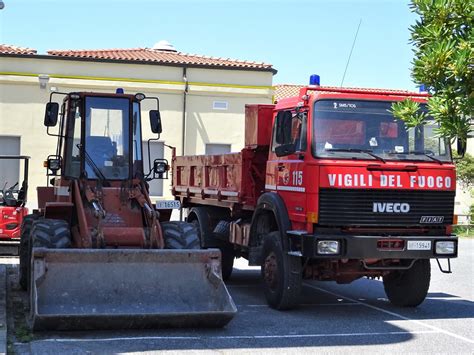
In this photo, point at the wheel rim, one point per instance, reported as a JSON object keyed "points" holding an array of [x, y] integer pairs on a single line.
{"points": [[271, 271]]}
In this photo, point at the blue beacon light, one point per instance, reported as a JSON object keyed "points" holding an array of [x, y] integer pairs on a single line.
{"points": [[119, 91], [314, 80]]}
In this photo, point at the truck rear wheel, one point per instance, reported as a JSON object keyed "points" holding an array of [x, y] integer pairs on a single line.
{"points": [[408, 288], [180, 235], [281, 274], [221, 232], [25, 249]]}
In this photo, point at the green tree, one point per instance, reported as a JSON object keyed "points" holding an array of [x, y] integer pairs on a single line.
{"points": [[465, 171], [443, 39]]}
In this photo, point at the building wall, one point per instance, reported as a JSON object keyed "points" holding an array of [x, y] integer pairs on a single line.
{"points": [[22, 103]]}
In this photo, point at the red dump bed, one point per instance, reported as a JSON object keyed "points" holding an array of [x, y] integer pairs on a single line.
{"points": [[221, 180], [228, 179]]}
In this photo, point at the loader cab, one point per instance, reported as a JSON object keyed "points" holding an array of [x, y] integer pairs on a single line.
{"points": [[100, 136]]}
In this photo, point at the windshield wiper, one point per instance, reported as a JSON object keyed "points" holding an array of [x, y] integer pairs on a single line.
{"points": [[94, 167], [417, 152], [355, 150], [420, 152]]}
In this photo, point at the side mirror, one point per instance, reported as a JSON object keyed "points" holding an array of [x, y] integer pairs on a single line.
{"points": [[461, 147], [51, 114], [283, 127], [285, 149], [155, 121]]}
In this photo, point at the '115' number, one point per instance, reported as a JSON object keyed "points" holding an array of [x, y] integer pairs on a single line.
{"points": [[297, 178]]}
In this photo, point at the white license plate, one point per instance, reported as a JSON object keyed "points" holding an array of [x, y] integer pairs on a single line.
{"points": [[166, 205], [419, 245]]}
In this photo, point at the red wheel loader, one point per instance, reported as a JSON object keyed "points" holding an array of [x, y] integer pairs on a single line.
{"points": [[97, 255]]}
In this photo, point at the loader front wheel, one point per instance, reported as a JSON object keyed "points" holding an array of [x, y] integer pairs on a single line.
{"points": [[408, 288], [51, 233], [281, 274], [180, 235], [25, 249]]}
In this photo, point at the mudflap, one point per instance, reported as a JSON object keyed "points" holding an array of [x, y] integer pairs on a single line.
{"points": [[80, 289]]}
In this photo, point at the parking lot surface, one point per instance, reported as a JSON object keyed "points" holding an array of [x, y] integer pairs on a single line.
{"points": [[332, 318]]}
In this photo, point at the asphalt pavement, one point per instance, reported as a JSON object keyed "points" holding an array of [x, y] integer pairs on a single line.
{"points": [[333, 318]]}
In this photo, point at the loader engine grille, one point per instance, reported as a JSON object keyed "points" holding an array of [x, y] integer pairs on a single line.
{"points": [[375, 207]]}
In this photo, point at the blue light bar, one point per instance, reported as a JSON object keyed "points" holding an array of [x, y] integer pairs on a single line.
{"points": [[422, 88], [314, 80], [119, 91]]}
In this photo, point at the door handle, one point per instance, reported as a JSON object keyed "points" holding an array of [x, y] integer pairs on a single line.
{"points": [[281, 167]]}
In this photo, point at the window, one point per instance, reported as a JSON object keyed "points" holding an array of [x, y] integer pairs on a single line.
{"points": [[354, 129], [9, 169], [106, 141], [137, 142], [298, 130], [220, 105], [156, 152], [214, 149], [73, 141]]}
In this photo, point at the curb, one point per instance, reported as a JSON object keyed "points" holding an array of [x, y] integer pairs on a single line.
{"points": [[3, 309]]}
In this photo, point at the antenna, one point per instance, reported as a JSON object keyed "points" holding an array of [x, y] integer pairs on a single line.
{"points": [[350, 54]]}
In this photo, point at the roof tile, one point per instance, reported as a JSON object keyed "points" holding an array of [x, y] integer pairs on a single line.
{"points": [[8, 49], [159, 56]]}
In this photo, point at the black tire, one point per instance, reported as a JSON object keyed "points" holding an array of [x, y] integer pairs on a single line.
{"points": [[25, 249], [228, 256], [51, 233], [281, 274], [221, 234], [199, 216], [222, 230], [408, 288], [180, 235]]}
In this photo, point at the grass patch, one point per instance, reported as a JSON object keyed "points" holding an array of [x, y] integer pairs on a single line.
{"points": [[464, 231], [23, 333]]}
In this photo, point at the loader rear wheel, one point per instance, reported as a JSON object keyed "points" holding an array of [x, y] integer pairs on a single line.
{"points": [[408, 288], [25, 249], [51, 233], [180, 235], [281, 274]]}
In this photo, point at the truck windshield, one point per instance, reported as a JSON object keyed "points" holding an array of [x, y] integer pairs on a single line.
{"points": [[107, 138], [351, 129]]}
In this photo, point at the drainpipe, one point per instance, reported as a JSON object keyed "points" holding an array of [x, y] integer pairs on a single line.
{"points": [[183, 130], [185, 93]]}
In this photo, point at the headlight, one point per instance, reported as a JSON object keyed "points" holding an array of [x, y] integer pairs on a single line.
{"points": [[327, 247], [445, 247]]}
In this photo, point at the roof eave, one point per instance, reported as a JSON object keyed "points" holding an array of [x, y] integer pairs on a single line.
{"points": [[141, 62]]}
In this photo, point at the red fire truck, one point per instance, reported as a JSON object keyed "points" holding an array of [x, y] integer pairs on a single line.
{"points": [[330, 186]]}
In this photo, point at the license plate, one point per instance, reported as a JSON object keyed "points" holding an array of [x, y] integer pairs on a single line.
{"points": [[167, 205], [419, 245]]}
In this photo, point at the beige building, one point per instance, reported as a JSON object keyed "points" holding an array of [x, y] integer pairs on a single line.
{"points": [[202, 99]]}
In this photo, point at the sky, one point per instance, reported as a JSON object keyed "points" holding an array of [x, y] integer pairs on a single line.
{"points": [[298, 38]]}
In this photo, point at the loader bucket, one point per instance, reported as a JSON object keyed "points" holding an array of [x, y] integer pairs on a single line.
{"points": [[76, 289]]}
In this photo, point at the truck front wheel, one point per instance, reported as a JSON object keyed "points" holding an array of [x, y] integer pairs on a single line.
{"points": [[408, 288], [281, 274]]}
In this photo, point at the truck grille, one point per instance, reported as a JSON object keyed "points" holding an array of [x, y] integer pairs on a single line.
{"points": [[355, 207]]}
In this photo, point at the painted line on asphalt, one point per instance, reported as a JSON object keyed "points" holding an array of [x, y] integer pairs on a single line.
{"points": [[437, 329], [232, 337], [305, 304]]}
